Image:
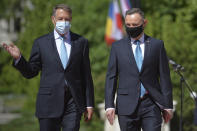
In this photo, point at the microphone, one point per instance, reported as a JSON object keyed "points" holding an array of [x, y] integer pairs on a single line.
{"points": [[176, 67]]}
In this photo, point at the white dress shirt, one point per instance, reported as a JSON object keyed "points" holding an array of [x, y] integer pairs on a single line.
{"points": [[67, 42], [142, 45]]}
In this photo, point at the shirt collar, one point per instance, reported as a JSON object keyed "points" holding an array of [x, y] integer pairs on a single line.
{"points": [[57, 35], [141, 39]]}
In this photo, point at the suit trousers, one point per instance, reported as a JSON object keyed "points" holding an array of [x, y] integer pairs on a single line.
{"points": [[69, 121], [146, 116]]}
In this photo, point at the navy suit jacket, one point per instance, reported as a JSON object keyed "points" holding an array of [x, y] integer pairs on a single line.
{"points": [[77, 75], [122, 69]]}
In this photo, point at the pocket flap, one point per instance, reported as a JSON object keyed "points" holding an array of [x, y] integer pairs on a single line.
{"points": [[45, 91], [123, 91]]}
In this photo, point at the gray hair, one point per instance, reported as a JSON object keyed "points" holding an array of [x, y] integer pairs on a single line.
{"points": [[135, 10], [62, 6]]}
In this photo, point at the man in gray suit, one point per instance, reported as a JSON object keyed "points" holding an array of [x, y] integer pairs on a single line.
{"points": [[139, 64]]}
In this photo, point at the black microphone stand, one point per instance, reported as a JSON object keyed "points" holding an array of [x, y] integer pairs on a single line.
{"points": [[179, 70]]}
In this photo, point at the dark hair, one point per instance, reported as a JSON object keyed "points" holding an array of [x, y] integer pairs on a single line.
{"points": [[62, 6], [135, 10]]}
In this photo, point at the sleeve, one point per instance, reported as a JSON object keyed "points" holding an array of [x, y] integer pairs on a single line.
{"points": [[17, 60], [88, 82], [32, 67], [165, 80], [111, 80]]}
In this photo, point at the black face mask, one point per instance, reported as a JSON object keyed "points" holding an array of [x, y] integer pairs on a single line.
{"points": [[134, 31]]}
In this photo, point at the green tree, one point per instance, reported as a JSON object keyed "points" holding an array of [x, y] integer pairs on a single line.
{"points": [[173, 21], [88, 20]]}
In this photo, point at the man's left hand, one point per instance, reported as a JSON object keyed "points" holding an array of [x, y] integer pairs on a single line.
{"points": [[167, 115], [88, 114]]}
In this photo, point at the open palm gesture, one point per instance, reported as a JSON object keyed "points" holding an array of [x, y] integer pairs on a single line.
{"points": [[13, 50]]}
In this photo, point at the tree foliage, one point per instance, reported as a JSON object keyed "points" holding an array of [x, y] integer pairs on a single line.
{"points": [[173, 21]]}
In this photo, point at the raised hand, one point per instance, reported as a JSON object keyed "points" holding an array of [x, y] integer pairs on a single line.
{"points": [[13, 50]]}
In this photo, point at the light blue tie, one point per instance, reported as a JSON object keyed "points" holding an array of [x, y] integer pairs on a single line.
{"points": [[63, 53], [139, 60]]}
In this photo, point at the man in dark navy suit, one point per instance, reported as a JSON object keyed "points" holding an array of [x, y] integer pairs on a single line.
{"points": [[139, 64], [66, 86]]}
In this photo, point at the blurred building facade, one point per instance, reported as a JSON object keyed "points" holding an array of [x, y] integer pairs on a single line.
{"points": [[11, 23]]}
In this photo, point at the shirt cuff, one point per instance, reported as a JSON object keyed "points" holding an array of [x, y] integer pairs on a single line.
{"points": [[89, 107], [168, 109], [17, 60], [110, 109]]}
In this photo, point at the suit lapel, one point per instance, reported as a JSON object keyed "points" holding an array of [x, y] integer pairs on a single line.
{"points": [[131, 54], [72, 42], [52, 41], [146, 50]]}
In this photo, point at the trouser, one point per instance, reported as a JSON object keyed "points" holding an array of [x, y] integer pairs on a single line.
{"points": [[69, 121], [146, 116]]}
